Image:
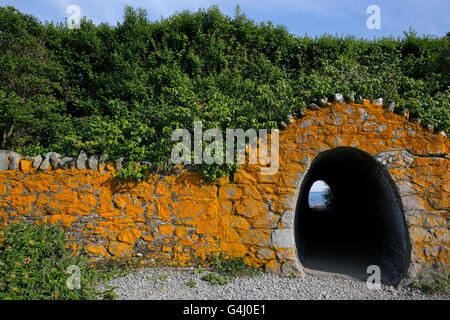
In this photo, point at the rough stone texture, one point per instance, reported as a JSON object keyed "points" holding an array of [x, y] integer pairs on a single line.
{"points": [[292, 267], [93, 162], [81, 160], [102, 160], [120, 163], [53, 158], [390, 107], [313, 107], [4, 164], [37, 161], [45, 164], [323, 103], [180, 220], [282, 238], [14, 161], [339, 98], [378, 102], [351, 97], [287, 220], [66, 162]]}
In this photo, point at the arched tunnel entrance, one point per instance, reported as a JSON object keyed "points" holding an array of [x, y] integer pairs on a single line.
{"points": [[364, 225]]}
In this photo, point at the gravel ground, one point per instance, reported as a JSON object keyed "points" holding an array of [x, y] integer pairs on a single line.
{"points": [[170, 284]]}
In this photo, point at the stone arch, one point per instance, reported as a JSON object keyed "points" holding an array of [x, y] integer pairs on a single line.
{"points": [[414, 160], [367, 227]]}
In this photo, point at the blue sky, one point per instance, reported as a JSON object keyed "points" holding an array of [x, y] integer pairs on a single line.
{"points": [[319, 186], [311, 17]]}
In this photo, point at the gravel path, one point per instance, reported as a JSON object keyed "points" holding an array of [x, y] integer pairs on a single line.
{"points": [[170, 284]]}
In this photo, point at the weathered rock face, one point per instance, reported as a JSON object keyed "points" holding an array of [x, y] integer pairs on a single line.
{"points": [[180, 220]]}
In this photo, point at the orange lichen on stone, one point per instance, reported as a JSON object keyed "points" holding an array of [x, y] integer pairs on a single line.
{"points": [[164, 211], [119, 249], [96, 249], [166, 229], [180, 232], [64, 219], [129, 235]]}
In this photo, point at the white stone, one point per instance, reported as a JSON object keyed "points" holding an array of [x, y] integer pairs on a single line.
{"points": [[4, 160], [92, 162], [338, 98], [391, 107], [45, 164], [65, 162], [37, 161], [378, 102], [283, 238], [53, 158], [81, 160], [287, 220], [14, 160]]}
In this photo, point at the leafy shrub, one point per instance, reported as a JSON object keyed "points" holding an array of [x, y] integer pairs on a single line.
{"points": [[233, 266], [330, 201], [215, 171], [34, 263], [226, 269], [215, 278], [435, 286], [132, 172], [123, 90], [191, 284]]}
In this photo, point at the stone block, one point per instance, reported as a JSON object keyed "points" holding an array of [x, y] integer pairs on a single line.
{"points": [[292, 268], [287, 220], [283, 238], [338, 97], [81, 160], [4, 165], [37, 161], [14, 160], [93, 162], [66, 163], [53, 158]]}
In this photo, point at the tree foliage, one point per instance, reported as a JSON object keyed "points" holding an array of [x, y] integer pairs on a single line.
{"points": [[123, 89]]}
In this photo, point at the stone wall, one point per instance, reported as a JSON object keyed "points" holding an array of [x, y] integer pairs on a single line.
{"points": [[179, 219]]}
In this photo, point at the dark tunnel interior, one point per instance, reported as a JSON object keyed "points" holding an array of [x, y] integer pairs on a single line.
{"points": [[365, 226]]}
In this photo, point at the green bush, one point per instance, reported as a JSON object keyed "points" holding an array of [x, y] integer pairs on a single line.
{"points": [[330, 200], [233, 266], [435, 286], [123, 90], [132, 172], [34, 264], [226, 269], [191, 284], [217, 279]]}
